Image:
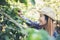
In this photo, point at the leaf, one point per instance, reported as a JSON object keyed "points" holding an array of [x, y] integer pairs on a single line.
{"points": [[7, 38], [23, 1], [3, 2], [16, 0], [33, 2]]}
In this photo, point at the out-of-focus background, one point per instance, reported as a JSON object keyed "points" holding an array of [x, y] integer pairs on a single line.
{"points": [[12, 27]]}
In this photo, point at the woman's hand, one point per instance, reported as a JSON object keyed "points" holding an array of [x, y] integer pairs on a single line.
{"points": [[20, 13]]}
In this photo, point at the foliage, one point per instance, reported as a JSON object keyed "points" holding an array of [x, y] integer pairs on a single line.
{"points": [[3, 2], [11, 25], [10, 29], [37, 34]]}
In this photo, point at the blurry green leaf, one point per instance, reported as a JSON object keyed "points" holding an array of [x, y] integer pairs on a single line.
{"points": [[34, 34], [44, 34], [33, 2], [16, 0], [3, 2], [23, 1], [7, 37]]}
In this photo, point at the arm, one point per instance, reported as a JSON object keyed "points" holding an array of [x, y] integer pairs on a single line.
{"points": [[28, 21]]}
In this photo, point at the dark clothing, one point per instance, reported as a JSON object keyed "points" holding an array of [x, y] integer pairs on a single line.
{"points": [[55, 34], [31, 23]]}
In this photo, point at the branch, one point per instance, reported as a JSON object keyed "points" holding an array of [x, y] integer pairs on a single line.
{"points": [[12, 20]]}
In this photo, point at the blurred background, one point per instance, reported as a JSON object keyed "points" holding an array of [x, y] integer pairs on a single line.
{"points": [[12, 27]]}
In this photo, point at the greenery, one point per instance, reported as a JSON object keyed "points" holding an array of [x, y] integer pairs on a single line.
{"points": [[12, 27]]}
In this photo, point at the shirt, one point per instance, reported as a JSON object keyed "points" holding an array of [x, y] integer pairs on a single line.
{"points": [[31, 23]]}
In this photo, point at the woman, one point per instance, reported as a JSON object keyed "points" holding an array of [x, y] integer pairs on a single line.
{"points": [[47, 17]]}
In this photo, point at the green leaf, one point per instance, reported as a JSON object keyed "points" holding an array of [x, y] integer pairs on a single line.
{"points": [[23, 1], [16, 0], [7, 38], [33, 2], [3, 2], [37, 34]]}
